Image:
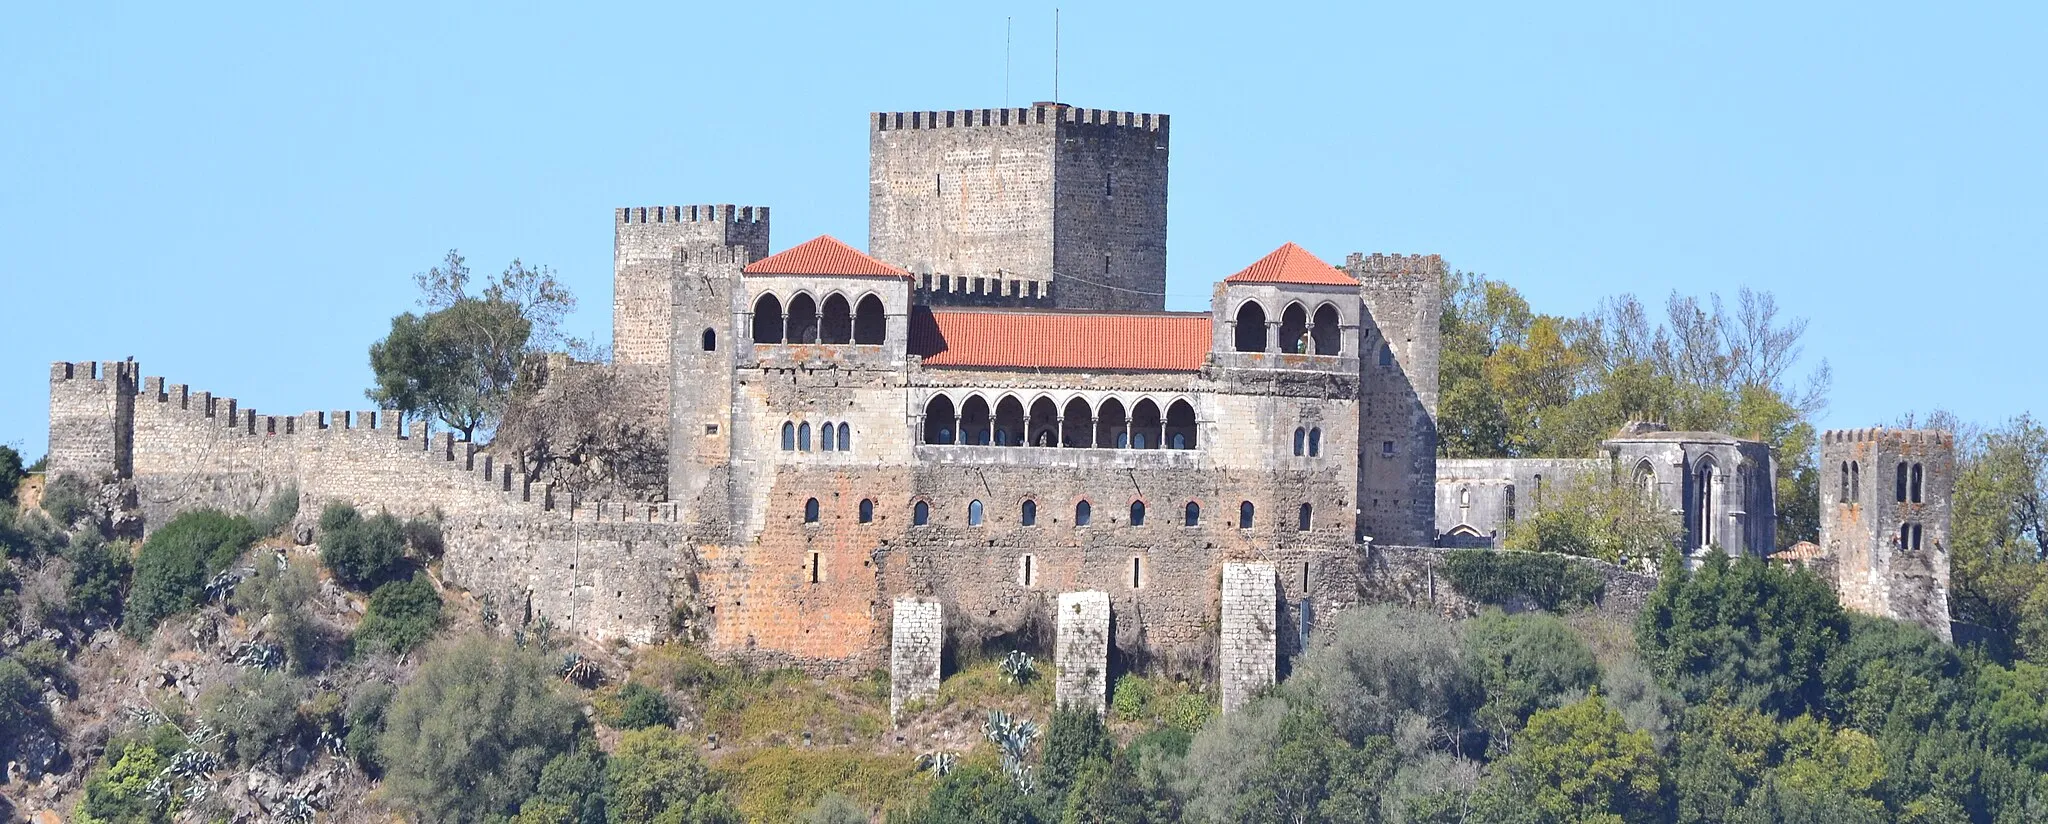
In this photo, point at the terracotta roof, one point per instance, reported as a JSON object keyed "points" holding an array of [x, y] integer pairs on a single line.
{"points": [[1159, 342], [823, 255], [1802, 551], [1292, 264]]}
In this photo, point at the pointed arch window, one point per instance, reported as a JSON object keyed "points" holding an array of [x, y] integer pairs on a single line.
{"points": [[1305, 519], [1915, 484], [1900, 493], [1300, 441], [803, 437], [1028, 513], [845, 437], [825, 438], [1315, 441], [788, 436]]}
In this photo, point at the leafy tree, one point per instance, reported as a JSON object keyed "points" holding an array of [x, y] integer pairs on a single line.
{"points": [[1524, 663], [1379, 669], [11, 472], [1723, 753], [364, 719], [656, 776], [643, 706], [1894, 674], [258, 711], [402, 615], [1580, 763], [67, 500], [457, 362], [467, 737], [99, 580], [1075, 740], [2012, 710], [1746, 629], [975, 794], [361, 552], [2000, 536], [176, 562], [1598, 518], [571, 790]]}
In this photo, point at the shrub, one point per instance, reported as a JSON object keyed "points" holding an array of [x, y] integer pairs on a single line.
{"points": [[467, 737], [402, 615], [641, 706], [258, 712], [780, 783], [364, 719], [67, 500], [1075, 741], [1552, 582], [277, 516], [27, 534], [278, 592], [121, 791], [1526, 663], [1132, 698], [424, 536], [176, 562], [11, 472], [656, 776], [99, 579], [362, 552]]}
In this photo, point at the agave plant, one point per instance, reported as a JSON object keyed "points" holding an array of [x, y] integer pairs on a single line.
{"points": [[258, 655], [938, 761], [222, 586], [295, 810], [1012, 737], [580, 671], [1019, 667]]}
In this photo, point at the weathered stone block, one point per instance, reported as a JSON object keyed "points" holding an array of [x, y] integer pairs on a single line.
{"points": [[1250, 632], [1082, 654], [915, 643]]}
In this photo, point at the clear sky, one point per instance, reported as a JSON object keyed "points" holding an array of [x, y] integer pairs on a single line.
{"points": [[237, 198]]}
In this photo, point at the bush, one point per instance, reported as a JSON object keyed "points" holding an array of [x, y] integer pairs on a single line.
{"points": [[780, 783], [656, 776], [278, 592], [67, 500], [467, 737], [120, 792], [99, 580], [424, 537], [27, 533], [1552, 582], [277, 516], [402, 615], [176, 562], [1075, 741], [1132, 698], [364, 719], [362, 552], [11, 472], [640, 706], [258, 712]]}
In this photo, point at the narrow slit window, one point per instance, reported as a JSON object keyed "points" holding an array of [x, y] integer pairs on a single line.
{"points": [[1305, 519], [1300, 442], [1315, 441], [1137, 573], [1026, 573], [1899, 494], [816, 567], [1915, 484]]}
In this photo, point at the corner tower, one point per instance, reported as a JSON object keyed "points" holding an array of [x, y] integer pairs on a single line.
{"points": [[1884, 521], [647, 242], [1049, 206], [1399, 347]]}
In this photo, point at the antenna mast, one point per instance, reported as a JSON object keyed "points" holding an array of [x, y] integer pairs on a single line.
{"points": [[1006, 62], [1055, 55]]}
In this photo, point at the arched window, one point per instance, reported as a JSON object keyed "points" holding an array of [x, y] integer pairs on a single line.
{"points": [[837, 326], [1294, 329], [1077, 425], [974, 513], [1304, 518], [920, 514], [1901, 494], [1315, 441], [803, 437], [1009, 421], [974, 421], [1083, 513], [1028, 513], [1646, 481], [710, 340], [845, 437], [768, 319], [1855, 481], [788, 436], [869, 326], [939, 420], [1916, 485], [1300, 441], [867, 510], [1329, 331], [1111, 425], [1244, 515], [811, 511], [1843, 497], [1251, 327], [1180, 425], [1464, 496], [1045, 423], [1386, 355], [803, 319], [1192, 514], [1703, 507], [825, 438], [1146, 425], [1137, 513]]}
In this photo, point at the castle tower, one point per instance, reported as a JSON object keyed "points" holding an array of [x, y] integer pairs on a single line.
{"points": [[1884, 521], [646, 241], [1048, 206], [1399, 346]]}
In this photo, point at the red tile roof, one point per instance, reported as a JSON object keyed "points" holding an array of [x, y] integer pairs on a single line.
{"points": [[1158, 342], [823, 255], [1292, 264]]}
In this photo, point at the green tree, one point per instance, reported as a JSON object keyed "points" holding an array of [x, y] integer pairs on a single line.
{"points": [[1758, 633], [656, 776], [277, 595], [1581, 763], [457, 362], [177, 561], [402, 615], [975, 794], [1999, 534], [361, 552], [467, 737], [1525, 663], [2012, 710], [11, 472], [643, 706], [1598, 518], [1075, 741], [571, 790], [99, 581]]}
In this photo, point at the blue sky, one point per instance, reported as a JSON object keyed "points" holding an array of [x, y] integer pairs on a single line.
{"points": [[237, 198]]}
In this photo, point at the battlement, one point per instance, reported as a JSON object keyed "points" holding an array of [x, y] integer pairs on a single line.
{"points": [[717, 213], [101, 371], [1894, 437], [993, 290], [1036, 114], [1384, 264]]}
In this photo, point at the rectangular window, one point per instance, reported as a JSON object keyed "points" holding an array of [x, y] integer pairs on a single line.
{"points": [[1137, 573], [1026, 574], [711, 429], [815, 568], [1386, 449]]}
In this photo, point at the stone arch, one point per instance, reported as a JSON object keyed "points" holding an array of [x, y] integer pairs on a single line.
{"points": [[1045, 422], [1009, 424], [803, 319], [837, 326], [1181, 429], [1112, 425], [974, 420], [767, 318], [1077, 429], [1328, 331], [1645, 481], [1148, 427], [870, 325], [941, 422], [1294, 329], [1251, 327]]}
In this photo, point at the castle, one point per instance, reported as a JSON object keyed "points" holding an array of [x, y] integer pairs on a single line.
{"points": [[986, 425]]}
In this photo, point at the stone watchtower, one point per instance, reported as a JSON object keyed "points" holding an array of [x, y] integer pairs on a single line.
{"points": [[1399, 348], [1048, 206], [1884, 521]]}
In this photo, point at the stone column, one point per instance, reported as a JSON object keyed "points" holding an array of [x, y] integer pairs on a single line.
{"points": [[1094, 426], [1249, 647], [1272, 337], [1081, 653], [915, 641]]}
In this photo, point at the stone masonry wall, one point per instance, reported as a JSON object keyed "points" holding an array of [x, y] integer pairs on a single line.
{"points": [[1877, 569], [1413, 577], [1397, 424], [914, 651], [1250, 655], [1082, 658]]}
